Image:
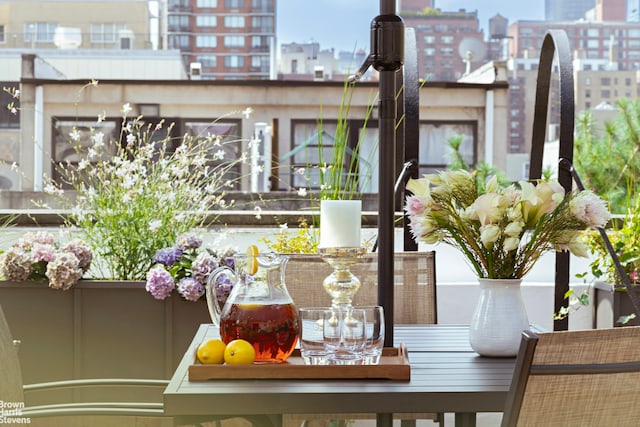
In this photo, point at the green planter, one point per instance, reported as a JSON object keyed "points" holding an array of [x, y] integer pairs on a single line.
{"points": [[611, 304], [98, 329]]}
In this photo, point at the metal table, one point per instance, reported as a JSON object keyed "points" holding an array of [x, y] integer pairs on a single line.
{"points": [[446, 376]]}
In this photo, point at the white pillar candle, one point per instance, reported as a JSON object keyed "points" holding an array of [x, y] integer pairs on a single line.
{"points": [[340, 223]]}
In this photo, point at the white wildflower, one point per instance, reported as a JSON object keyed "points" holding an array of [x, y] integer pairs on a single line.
{"points": [[126, 109], [302, 191], [74, 135], [247, 112]]}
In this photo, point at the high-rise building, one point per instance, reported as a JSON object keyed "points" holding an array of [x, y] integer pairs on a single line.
{"points": [[224, 39], [439, 40], [567, 10], [611, 10]]}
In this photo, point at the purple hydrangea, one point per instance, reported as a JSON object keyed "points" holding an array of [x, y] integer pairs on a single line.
{"points": [[189, 241], [203, 266], [223, 287], [159, 283], [167, 256], [190, 289]]}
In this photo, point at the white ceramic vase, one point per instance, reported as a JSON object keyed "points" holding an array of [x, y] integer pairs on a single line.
{"points": [[499, 318]]}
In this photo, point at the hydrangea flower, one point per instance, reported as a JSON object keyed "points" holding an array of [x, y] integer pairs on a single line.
{"points": [[159, 283], [82, 251], [167, 256], [16, 264], [189, 241], [203, 266], [64, 271], [190, 289]]}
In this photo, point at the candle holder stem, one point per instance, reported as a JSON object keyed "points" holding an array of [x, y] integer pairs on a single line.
{"points": [[341, 285]]}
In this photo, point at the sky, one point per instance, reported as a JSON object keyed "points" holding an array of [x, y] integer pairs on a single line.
{"points": [[345, 24]]}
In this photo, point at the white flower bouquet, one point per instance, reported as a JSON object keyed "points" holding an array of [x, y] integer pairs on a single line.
{"points": [[502, 230]]}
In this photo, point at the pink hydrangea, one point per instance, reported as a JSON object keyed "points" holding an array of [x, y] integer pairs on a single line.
{"points": [[15, 264], [64, 271], [159, 283], [82, 251]]}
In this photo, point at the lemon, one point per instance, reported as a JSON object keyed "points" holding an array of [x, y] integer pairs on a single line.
{"points": [[252, 259], [239, 352], [211, 352]]}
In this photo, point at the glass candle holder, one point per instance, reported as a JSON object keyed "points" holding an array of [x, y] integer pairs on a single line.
{"points": [[341, 284]]}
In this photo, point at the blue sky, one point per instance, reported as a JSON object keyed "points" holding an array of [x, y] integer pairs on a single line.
{"points": [[344, 24]]}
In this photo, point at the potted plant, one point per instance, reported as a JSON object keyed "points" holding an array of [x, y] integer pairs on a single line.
{"points": [[133, 198], [613, 306], [502, 230]]}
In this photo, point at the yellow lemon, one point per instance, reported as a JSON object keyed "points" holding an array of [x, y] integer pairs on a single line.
{"points": [[252, 259], [239, 352], [211, 352]]}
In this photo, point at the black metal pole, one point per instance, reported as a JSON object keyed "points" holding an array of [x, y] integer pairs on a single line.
{"points": [[387, 52]]}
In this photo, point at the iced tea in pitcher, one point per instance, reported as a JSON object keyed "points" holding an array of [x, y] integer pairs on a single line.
{"points": [[271, 328]]}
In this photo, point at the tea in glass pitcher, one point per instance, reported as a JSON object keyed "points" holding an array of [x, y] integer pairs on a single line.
{"points": [[259, 308]]}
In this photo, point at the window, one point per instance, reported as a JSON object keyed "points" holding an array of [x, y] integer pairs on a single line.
{"points": [[105, 32], [234, 21], [308, 143], [429, 39], [178, 22], [260, 43], [206, 21], [262, 24], [207, 3], [177, 41], [587, 93], [446, 51], [233, 41], [9, 111], [207, 60], [446, 39], [434, 149], [234, 61], [429, 51], [634, 32], [178, 4], [206, 40], [593, 44], [3, 37], [605, 81], [235, 4], [39, 31], [605, 93]]}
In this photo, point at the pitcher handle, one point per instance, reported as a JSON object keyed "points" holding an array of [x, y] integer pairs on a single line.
{"points": [[213, 299]]}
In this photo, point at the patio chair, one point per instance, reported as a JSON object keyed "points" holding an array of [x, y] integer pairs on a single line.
{"points": [[576, 378], [13, 392], [414, 303]]}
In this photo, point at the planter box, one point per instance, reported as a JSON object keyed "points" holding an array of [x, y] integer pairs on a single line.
{"points": [[610, 304], [98, 329]]}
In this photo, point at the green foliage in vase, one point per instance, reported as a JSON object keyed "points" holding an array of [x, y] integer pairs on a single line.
{"points": [[340, 175]]}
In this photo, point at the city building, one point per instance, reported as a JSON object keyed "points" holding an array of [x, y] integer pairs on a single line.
{"points": [[449, 44], [71, 24], [567, 10], [307, 61], [223, 39]]}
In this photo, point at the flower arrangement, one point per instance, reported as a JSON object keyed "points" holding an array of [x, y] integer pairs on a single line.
{"points": [[38, 256], [138, 194], [303, 241], [502, 230], [184, 268]]}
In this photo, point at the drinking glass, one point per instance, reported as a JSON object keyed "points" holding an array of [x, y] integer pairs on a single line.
{"points": [[312, 345], [374, 332], [344, 336]]}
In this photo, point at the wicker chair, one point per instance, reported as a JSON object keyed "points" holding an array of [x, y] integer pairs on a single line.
{"points": [[414, 303], [576, 378]]}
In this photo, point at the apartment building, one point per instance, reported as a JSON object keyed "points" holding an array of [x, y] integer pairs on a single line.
{"points": [[223, 39], [439, 37], [69, 24]]}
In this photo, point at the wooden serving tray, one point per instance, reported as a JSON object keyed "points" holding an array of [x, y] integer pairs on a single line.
{"points": [[394, 365]]}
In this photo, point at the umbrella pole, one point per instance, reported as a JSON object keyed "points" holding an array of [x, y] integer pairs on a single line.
{"points": [[387, 57]]}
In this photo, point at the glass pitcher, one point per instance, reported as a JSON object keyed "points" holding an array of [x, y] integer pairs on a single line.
{"points": [[259, 308]]}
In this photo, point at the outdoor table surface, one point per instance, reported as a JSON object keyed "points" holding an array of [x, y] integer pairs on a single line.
{"points": [[446, 376]]}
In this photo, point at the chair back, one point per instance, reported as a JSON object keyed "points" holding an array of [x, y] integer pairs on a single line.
{"points": [[576, 378], [414, 284], [10, 373]]}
